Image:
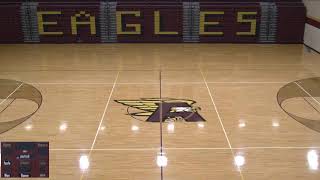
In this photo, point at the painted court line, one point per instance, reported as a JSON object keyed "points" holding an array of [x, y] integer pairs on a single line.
{"points": [[101, 120], [155, 83], [7, 106], [280, 147], [215, 108], [221, 123], [108, 149], [157, 69], [311, 104], [11, 94], [248, 82], [67, 83], [181, 148], [307, 93], [104, 112], [243, 148]]}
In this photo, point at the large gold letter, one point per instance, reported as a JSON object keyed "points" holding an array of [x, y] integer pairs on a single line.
{"points": [[74, 22], [137, 27], [253, 23], [41, 23], [157, 25], [203, 22]]}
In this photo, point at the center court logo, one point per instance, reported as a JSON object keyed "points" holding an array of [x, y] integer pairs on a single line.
{"points": [[165, 109]]}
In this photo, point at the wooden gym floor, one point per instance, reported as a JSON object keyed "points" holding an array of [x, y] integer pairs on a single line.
{"points": [[246, 134]]}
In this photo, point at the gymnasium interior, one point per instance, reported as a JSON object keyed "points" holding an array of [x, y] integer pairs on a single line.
{"points": [[160, 89]]}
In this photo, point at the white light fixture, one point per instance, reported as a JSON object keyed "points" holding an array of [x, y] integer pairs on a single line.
{"points": [[63, 127], [170, 127], [102, 128], [239, 160], [242, 124], [84, 162], [275, 124], [200, 125], [134, 128], [313, 160], [162, 161], [28, 127]]}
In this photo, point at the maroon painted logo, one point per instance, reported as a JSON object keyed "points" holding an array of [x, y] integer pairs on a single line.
{"points": [[165, 110]]}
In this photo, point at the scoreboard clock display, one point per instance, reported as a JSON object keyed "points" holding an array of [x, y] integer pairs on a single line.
{"points": [[24, 159]]}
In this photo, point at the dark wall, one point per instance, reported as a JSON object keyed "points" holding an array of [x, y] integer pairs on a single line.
{"points": [[278, 21], [10, 23]]}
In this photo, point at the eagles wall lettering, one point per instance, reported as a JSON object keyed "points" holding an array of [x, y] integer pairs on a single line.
{"points": [[251, 21], [137, 27]]}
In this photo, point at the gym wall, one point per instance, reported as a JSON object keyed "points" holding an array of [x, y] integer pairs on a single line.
{"points": [[312, 30], [106, 21]]}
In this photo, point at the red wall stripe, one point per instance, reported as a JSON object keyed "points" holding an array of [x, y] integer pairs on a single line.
{"points": [[313, 22]]}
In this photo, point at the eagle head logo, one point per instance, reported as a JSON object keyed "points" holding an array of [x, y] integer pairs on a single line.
{"points": [[165, 109]]}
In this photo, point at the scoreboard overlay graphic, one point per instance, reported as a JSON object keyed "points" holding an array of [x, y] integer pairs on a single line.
{"points": [[24, 159], [214, 21]]}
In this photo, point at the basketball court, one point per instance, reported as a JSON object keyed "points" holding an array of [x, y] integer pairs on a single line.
{"points": [[165, 111]]}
